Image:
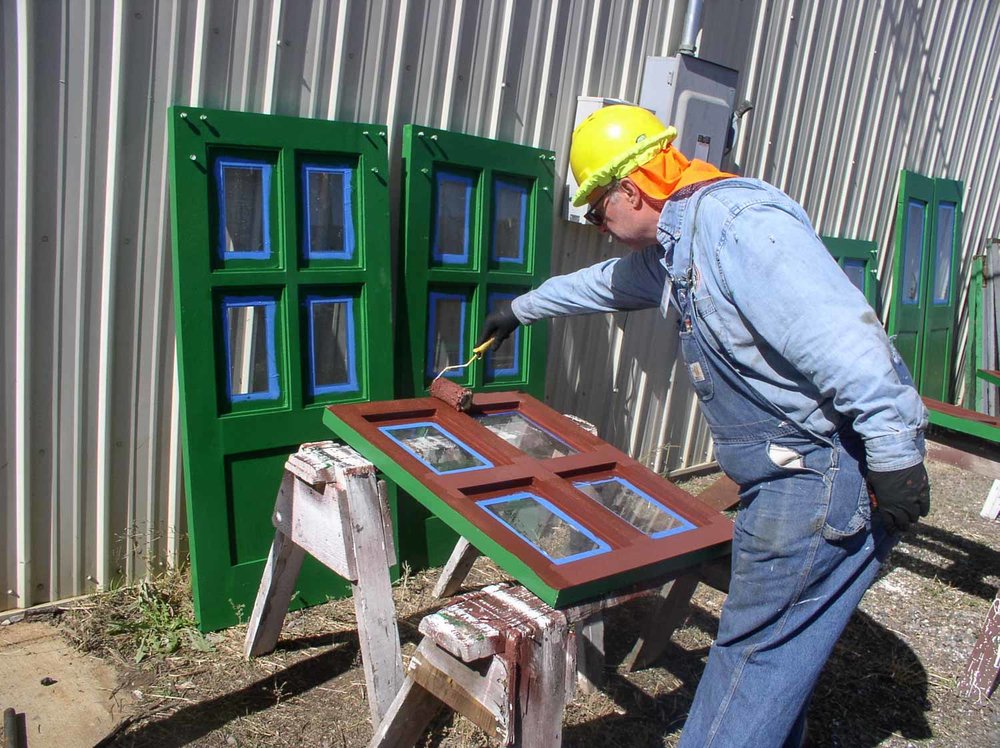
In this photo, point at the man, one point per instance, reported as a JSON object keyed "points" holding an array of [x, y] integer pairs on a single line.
{"points": [[805, 396]]}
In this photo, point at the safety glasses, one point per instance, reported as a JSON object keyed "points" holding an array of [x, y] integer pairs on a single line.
{"points": [[596, 215]]}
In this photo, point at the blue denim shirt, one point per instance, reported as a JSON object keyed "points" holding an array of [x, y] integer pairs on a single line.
{"points": [[776, 305]]}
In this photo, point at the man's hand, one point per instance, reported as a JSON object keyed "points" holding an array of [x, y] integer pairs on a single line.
{"points": [[901, 496], [499, 325]]}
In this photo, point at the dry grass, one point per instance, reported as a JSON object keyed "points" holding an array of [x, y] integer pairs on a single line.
{"points": [[891, 681]]}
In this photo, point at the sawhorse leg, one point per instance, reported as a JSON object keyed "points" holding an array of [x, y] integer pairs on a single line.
{"points": [[457, 569], [982, 672], [330, 506], [669, 610]]}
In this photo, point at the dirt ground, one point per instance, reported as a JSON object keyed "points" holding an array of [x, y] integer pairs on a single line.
{"points": [[890, 682]]}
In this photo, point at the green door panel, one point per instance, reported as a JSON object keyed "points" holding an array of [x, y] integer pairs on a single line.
{"points": [[914, 216], [477, 232], [857, 259], [941, 291], [281, 275]]}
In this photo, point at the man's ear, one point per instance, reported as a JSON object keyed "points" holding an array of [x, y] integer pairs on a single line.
{"points": [[630, 190]]}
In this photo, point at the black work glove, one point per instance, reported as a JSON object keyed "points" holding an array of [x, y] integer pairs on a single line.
{"points": [[499, 325], [901, 496]]}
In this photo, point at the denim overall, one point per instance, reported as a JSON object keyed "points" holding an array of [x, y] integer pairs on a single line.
{"points": [[804, 547]]}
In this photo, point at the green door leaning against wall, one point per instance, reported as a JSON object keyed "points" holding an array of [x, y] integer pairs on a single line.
{"points": [[925, 266], [281, 282], [478, 232]]}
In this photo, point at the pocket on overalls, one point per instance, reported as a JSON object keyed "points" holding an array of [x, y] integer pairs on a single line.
{"points": [[795, 453], [697, 367], [850, 509]]}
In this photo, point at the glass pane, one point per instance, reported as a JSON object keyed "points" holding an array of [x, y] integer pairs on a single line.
{"points": [[436, 448], [330, 228], [945, 242], [244, 200], [912, 251], [855, 270], [250, 349], [331, 323], [526, 435], [510, 209], [451, 225], [447, 333], [503, 362], [636, 507], [544, 526]]}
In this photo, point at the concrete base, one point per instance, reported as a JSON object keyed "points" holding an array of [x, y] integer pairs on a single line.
{"points": [[74, 710]]}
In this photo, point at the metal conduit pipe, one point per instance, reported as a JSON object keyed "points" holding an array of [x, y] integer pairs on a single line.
{"points": [[692, 25]]}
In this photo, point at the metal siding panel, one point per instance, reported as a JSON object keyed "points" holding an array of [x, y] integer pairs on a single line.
{"points": [[842, 101], [45, 297], [21, 582], [8, 264]]}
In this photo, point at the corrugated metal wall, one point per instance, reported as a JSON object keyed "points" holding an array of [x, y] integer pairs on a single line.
{"points": [[844, 93]]}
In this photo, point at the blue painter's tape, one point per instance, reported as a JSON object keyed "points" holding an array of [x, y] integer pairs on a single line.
{"points": [[351, 384], [432, 298], [602, 547], [514, 370], [450, 258], [484, 463], [683, 527], [347, 252], [220, 183], [522, 191], [270, 306]]}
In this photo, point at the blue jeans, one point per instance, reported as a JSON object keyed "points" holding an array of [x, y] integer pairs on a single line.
{"points": [[804, 552]]}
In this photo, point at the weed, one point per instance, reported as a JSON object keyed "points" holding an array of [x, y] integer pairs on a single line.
{"points": [[154, 626]]}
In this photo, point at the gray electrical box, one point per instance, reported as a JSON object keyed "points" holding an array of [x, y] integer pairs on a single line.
{"points": [[695, 96]]}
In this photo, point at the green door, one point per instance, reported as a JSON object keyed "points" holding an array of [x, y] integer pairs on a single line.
{"points": [[922, 308], [857, 259], [281, 275], [937, 350], [478, 232]]}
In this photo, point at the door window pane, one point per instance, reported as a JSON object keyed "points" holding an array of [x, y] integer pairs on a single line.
{"points": [[436, 448], [248, 330], [541, 524], [944, 244], [331, 344], [510, 209], [526, 435], [912, 251], [636, 507], [453, 218], [244, 196], [329, 229], [446, 333], [855, 271], [506, 360]]}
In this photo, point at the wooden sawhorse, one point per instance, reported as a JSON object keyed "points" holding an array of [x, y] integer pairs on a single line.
{"points": [[330, 506], [500, 657]]}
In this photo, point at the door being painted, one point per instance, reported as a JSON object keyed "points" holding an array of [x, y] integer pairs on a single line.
{"points": [[922, 307], [281, 279], [478, 232]]}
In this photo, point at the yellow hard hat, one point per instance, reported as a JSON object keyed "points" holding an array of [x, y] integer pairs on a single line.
{"points": [[611, 143]]}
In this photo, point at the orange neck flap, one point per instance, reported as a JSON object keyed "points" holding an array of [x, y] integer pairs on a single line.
{"points": [[669, 171]]}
